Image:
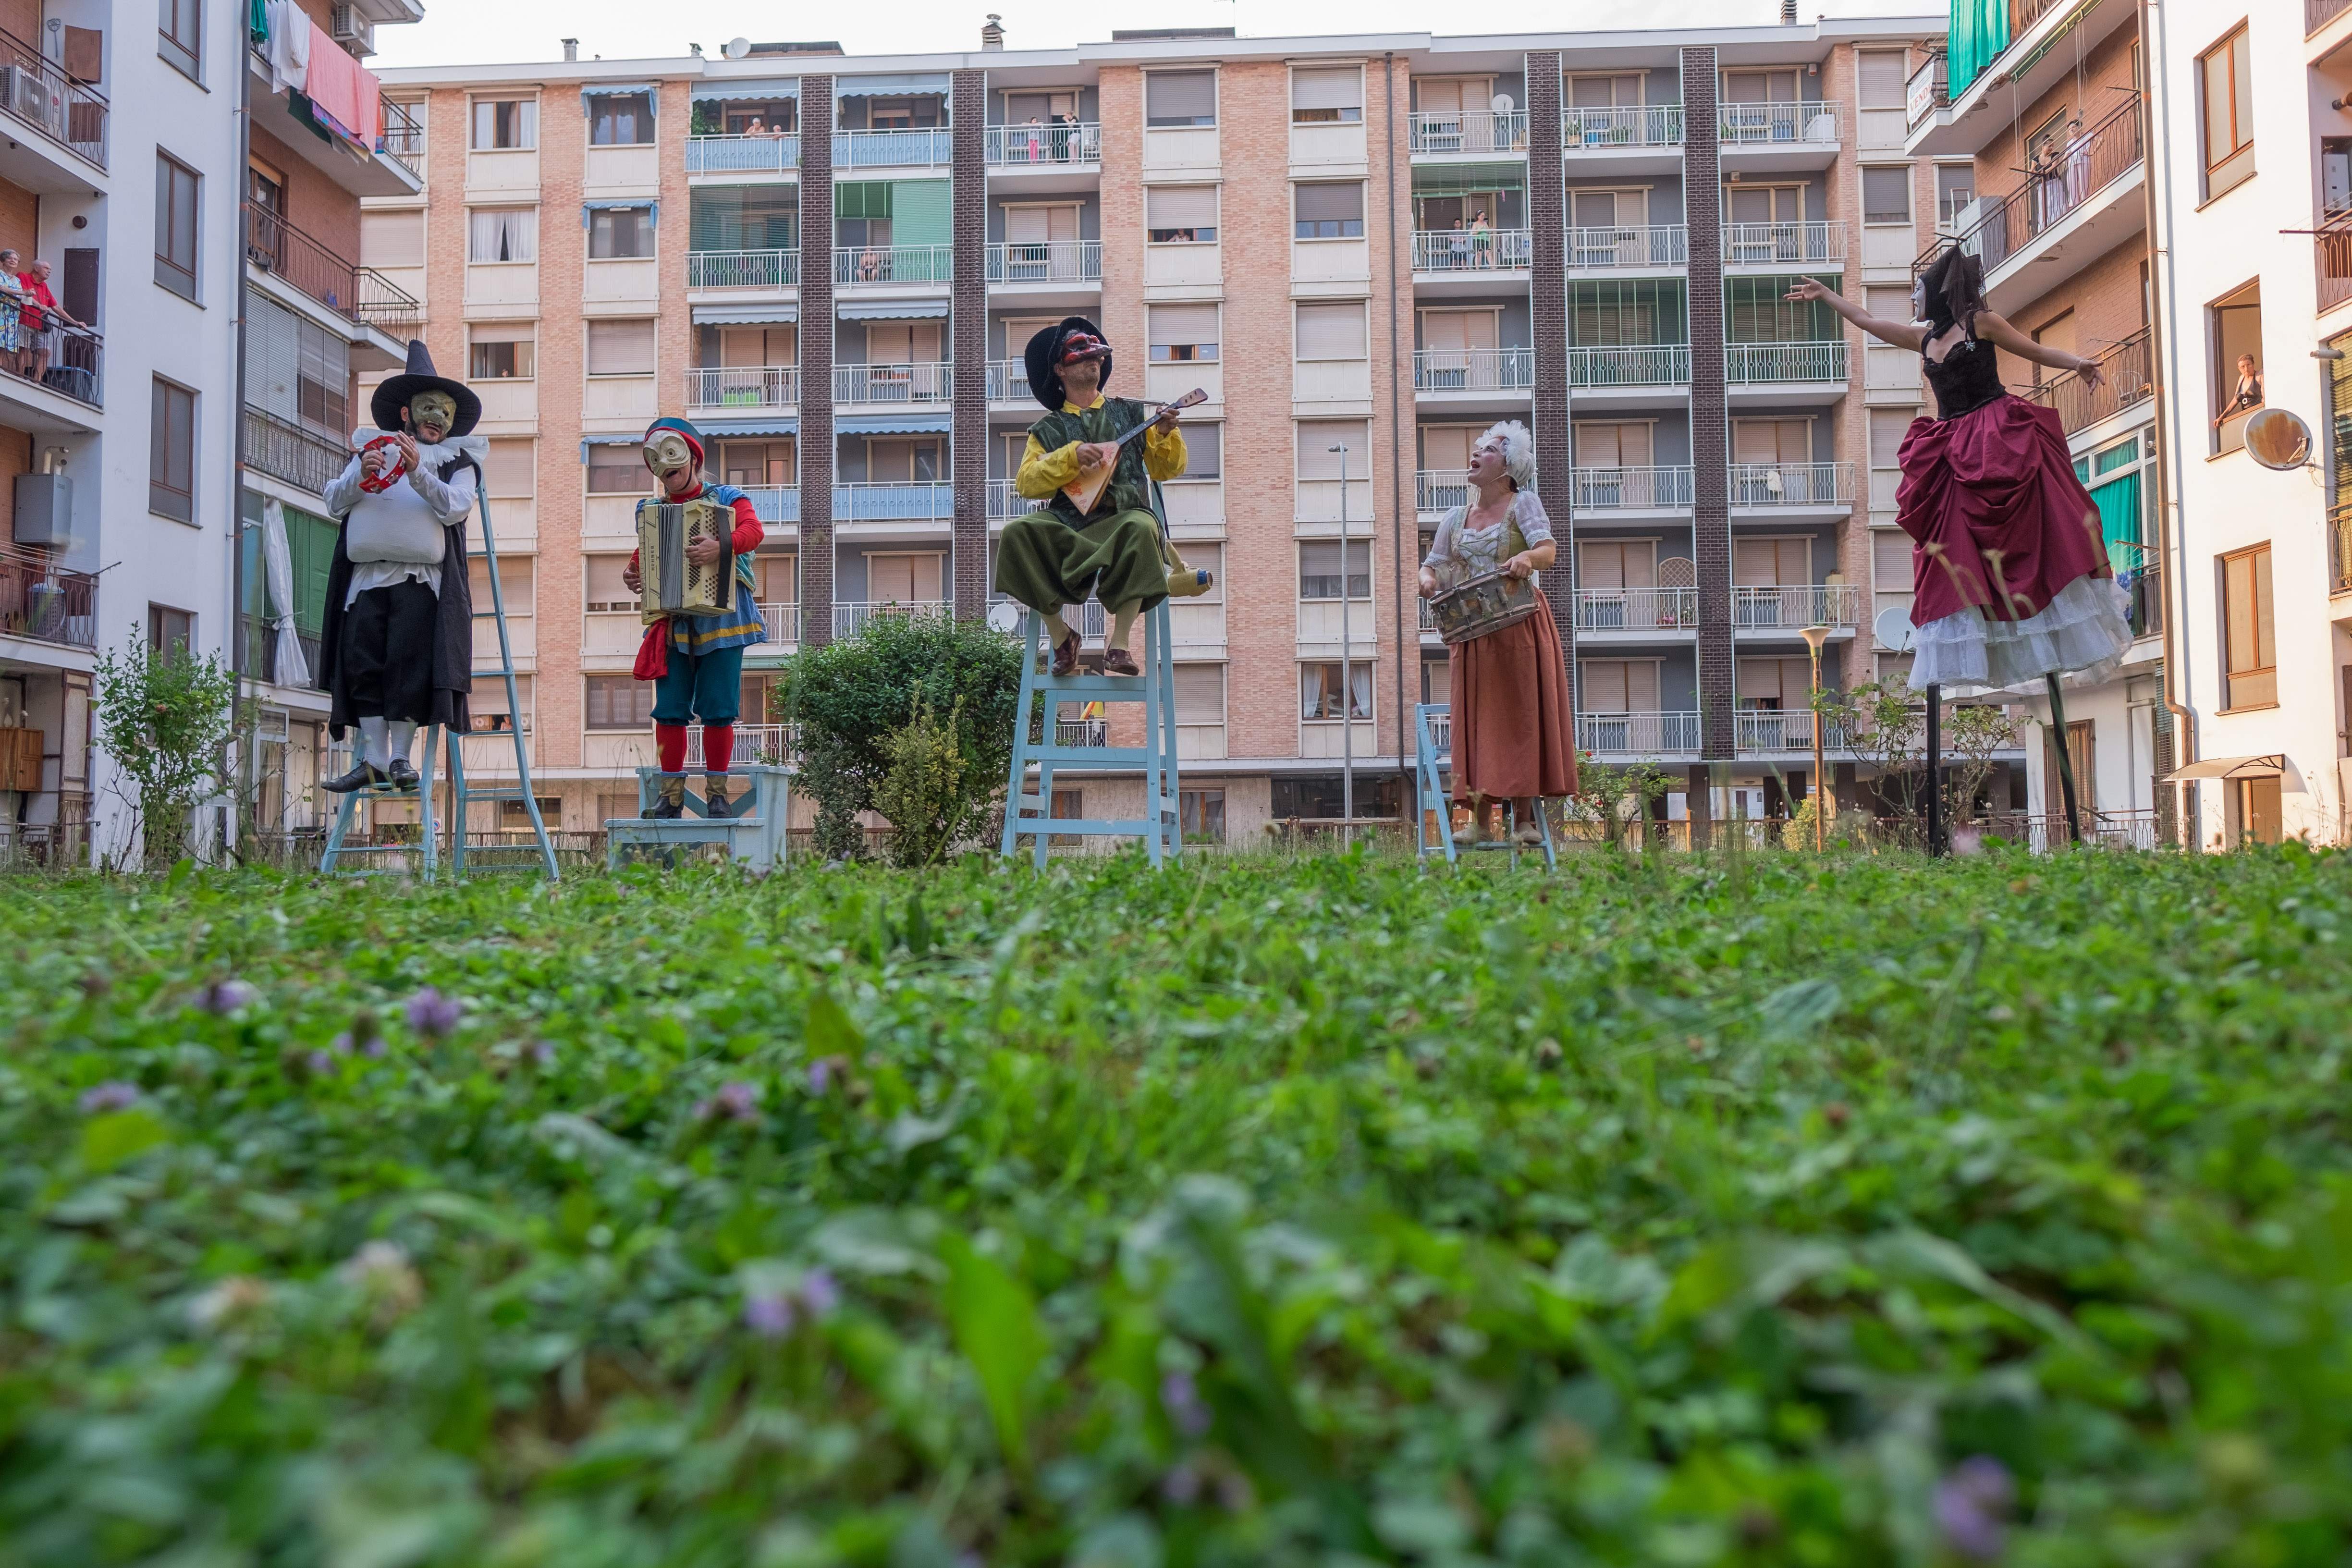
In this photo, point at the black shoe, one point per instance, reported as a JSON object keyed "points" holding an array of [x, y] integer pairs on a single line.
{"points": [[401, 775], [715, 802], [671, 805], [362, 776]]}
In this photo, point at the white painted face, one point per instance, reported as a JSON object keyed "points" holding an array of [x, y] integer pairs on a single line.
{"points": [[1918, 298], [1487, 460]]}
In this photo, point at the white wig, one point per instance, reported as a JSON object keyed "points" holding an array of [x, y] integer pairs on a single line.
{"points": [[1518, 451]]}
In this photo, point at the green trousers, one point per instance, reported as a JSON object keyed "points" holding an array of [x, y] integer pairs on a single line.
{"points": [[1045, 564]]}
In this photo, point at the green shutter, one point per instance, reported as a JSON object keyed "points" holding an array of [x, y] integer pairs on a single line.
{"points": [[921, 213], [861, 198], [310, 542]]}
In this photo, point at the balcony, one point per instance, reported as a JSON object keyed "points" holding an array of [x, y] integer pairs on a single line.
{"points": [[915, 500], [1818, 362], [291, 454], [1630, 365], [851, 617], [1777, 246], [742, 269], [76, 380], [361, 296], [2127, 381], [2002, 55], [1089, 620], [1792, 606], [1017, 147], [1439, 490], [1622, 128], [1440, 370], [1780, 136], [774, 505], [771, 744], [1454, 132], [1656, 248], [1783, 730], [261, 660], [776, 156], [783, 623], [403, 141], [1636, 735], [37, 93], [1929, 90], [1008, 382], [743, 386], [1082, 731], [896, 385], [854, 265], [2332, 257], [1632, 490], [391, 165], [1005, 503], [1047, 261], [1463, 250], [932, 146], [2069, 213], [1792, 485], [41, 602], [1636, 609]]}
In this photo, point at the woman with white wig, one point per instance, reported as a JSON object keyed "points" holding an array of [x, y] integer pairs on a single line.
{"points": [[1514, 728]]}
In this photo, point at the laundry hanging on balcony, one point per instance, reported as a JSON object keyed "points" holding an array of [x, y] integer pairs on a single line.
{"points": [[278, 560], [1980, 32], [287, 50]]}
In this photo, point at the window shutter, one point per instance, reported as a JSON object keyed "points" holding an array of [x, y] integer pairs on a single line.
{"points": [[1204, 451], [512, 468], [392, 238], [1327, 87], [1332, 332], [1879, 79], [620, 348], [1890, 560], [1181, 98], [1315, 461], [1181, 206], [1174, 324], [1326, 200], [1200, 694], [271, 358]]}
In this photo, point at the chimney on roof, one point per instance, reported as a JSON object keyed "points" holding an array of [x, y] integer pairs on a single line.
{"points": [[991, 32], [571, 50], [1788, 13]]}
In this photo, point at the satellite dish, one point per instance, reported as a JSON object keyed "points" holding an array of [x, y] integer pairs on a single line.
{"points": [[2278, 439], [1004, 617], [1502, 103], [737, 47], [1893, 629]]}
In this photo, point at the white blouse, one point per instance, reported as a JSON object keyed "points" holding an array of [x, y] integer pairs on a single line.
{"points": [[1475, 551]]}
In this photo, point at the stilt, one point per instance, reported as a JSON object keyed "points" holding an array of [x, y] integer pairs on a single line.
{"points": [[2065, 759], [1935, 845]]}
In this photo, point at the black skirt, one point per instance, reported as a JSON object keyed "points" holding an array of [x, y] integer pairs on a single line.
{"points": [[386, 669]]}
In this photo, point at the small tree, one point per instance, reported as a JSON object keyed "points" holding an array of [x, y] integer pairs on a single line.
{"points": [[1616, 794], [1972, 732], [1884, 728], [163, 721], [929, 792]]}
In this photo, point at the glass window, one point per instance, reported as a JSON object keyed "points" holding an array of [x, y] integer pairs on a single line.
{"points": [[499, 357], [178, 199], [1184, 334], [1332, 332], [2226, 79], [1317, 436], [621, 348], [1204, 451], [1201, 812], [1327, 95], [1332, 209], [1179, 98], [506, 125], [625, 121], [1181, 215], [1887, 194], [1319, 569], [2251, 642], [502, 233], [170, 631], [181, 36], [620, 701], [618, 472], [172, 452], [607, 590], [1318, 691], [744, 217], [616, 233], [1956, 187]]}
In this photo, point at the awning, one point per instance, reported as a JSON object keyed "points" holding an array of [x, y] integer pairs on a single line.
{"points": [[744, 315], [780, 425], [890, 86], [761, 88], [892, 310], [2269, 767], [588, 441], [909, 423], [652, 209], [588, 95], [1468, 179]]}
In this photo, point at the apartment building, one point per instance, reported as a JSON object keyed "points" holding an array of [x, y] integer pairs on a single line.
{"points": [[2036, 127], [1364, 249]]}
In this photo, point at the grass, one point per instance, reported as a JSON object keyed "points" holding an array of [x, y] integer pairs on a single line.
{"points": [[1317, 1211]]}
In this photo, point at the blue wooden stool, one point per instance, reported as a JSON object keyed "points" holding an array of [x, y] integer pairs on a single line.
{"points": [[755, 839]]}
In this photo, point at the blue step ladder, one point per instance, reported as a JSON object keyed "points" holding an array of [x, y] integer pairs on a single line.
{"points": [[1029, 813], [538, 855], [1433, 758]]}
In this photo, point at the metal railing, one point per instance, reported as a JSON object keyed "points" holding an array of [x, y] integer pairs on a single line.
{"points": [[1766, 124], [1468, 130], [2125, 378], [1472, 250], [1813, 242], [2317, 13], [1783, 730], [777, 154], [1089, 620], [2053, 192], [1652, 244], [1623, 125], [932, 144], [774, 504], [912, 501], [36, 90], [1789, 607], [742, 269], [1082, 731], [1474, 369], [403, 141], [1639, 734], [783, 623], [1929, 90], [2332, 257], [928, 382], [287, 452], [358, 294], [1004, 502], [46, 602], [1008, 381], [850, 616], [79, 369], [1440, 490], [1792, 484], [1033, 146], [1045, 261], [742, 386], [1630, 364], [772, 745], [1745, 364], [1636, 609], [261, 652], [1631, 488], [893, 264]]}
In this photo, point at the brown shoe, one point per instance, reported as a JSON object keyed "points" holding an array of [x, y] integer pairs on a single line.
{"points": [[1118, 661], [1066, 655]]}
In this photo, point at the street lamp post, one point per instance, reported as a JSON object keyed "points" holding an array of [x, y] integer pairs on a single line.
{"points": [[1347, 668], [1814, 636]]}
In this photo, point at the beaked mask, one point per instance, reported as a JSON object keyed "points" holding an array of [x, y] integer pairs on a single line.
{"points": [[667, 453]]}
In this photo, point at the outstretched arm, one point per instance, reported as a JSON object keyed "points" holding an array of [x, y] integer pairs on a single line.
{"points": [[1902, 334], [1996, 328]]}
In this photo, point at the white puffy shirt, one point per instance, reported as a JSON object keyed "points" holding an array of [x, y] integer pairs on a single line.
{"points": [[395, 535]]}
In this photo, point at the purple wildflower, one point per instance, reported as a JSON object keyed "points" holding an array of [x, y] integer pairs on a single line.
{"points": [[1180, 1485], [225, 996], [1181, 1400], [542, 1055], [431, 1013], [111, 1095], [739, 1101], [375, 1050], [767, 1314], [819, 1294], [323, 1062], [819, 1075], [1970, 1504], [341, 1045]]}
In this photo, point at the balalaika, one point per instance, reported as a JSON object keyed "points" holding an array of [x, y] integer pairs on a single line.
{"points": [[673, 584]]}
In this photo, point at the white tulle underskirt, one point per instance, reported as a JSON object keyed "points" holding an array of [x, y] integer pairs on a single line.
{"points": [[2085, 631]]}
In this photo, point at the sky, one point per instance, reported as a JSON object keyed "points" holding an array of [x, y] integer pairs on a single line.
{"points": [[468, 32]]}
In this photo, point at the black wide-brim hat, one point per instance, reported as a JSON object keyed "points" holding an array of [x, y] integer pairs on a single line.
{"points": [[393, 394], [1044, 358]]}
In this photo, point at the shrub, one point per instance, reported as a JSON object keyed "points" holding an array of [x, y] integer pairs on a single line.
{"points": [[928, 795], [163, 721]]}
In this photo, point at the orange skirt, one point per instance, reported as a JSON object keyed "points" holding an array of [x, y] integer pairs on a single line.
{"points": [[1513, 720]]}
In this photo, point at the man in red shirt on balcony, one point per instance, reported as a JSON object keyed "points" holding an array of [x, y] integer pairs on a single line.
{"points": [[40, 316]]}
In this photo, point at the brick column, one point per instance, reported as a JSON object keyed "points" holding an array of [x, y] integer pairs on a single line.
{"points": [[967, 114], [1548, 218], [816, 442], [1710, 428]]}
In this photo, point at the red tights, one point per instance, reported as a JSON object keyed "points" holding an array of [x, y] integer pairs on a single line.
{"points": [[717, 747]]}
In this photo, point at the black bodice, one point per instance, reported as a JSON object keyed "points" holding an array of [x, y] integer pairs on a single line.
{"points": [[1968, 377]]}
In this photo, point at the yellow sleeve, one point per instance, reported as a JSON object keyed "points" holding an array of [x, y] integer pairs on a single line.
{"points": [[1163, 454], [1042, 472]]}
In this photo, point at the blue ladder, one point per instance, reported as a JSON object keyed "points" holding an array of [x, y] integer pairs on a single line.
{"points": [[1030, 814], [1430, 797], [757, 838]]}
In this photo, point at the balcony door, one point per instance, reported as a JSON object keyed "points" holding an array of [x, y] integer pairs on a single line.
{"points": [[1759, 87], [1759, 213], [1623, 90], [1446, 464], [1615, 444], [1451, 341], [1778, 686], [1773, 459], [1031, 233], [1772, 580], [1605, 569], [1615, 696], [901, 460], [1452, 112], [904, 579], [1603, 228], [755, 464]]}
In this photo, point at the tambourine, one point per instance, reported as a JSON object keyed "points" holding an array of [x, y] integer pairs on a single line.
{"points": [[391, 476]]}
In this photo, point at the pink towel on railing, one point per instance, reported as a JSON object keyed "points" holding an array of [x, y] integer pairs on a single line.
{"points": [[345, 91]]}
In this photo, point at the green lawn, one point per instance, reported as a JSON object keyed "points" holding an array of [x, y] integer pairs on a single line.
{"points": [[1328, 1212]]}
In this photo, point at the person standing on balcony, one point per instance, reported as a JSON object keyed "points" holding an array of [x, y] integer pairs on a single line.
{"points": [[2009, 570], [1457, 245], [40, 318], [12, 311], [1482, 240], [2248, 395]]}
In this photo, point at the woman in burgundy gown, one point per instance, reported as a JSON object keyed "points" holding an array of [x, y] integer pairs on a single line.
{"points": [[2010, 579]]}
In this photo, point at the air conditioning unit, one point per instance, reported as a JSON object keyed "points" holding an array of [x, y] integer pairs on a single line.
{"points": [[34, 98], [350, 29]]}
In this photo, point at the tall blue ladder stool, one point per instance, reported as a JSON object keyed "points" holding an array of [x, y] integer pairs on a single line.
{"points": [[755, 840], [1029, 813], [1431, 798]]}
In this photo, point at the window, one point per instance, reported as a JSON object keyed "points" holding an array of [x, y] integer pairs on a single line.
{"points": [[297, 371], [1887, 194], [1318, 691], [1316, 438], [392, 238], [515, 587], [170, 631], [618, 233], [180, 28], [1887, 428], [512, 468], [1179, 98], [2057, 332], [606, 593], [1879, 79], [1890, 572], [618, 472], [753, 465], [1319, 569], [2239, 388], [2225, 78], [1956, 187], [1184, 334], [1204, 451], [1327, 95], [2249, 642], [1329, 210], [1332, 332], [625, 120], [1181, 215], [743, 218], [177, 189], [920, 459], [620, 701], [506, 125], [500, 356], [1201, 812], [621, 348], [502, 233], [1210, 558], [172, 453]]}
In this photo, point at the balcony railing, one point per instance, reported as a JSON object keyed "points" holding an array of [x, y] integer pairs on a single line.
{"points": [[1630, 489], [893, 264], [771, 744], [783, 621], [261, 659], [2125, 379], [2317, 13], [915, 500], [1636, 609], [1088, 620], [1792, 606], [1624, 125], [1638, 734], [778, 155], [1082, 731], [1766, 124], [931, 146], [1929, 90], [742, 269], [1783, 730], [1033, 146], [1655, 245], [850, 616], [287, 452], [2332, 252], [2054, 191], [1045, 261], [1440, 490], [1747, 364], [742, 386], [1631, 365], [39, 93], [358, 294], [43, 602], [1472, 250], [1469, 130], [1005, 503], [1792, 484], [1474, 369], [929, 382], [1008, 381], [774, 504], [1811, 243], [79, 369], [403, 141]]}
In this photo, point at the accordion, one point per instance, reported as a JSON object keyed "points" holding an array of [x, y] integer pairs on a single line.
{"points": [[673, 585]]}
